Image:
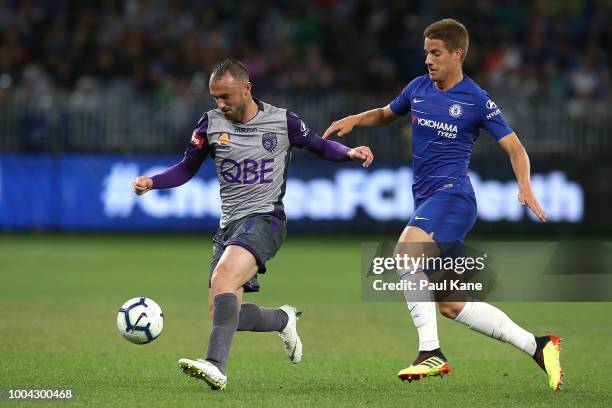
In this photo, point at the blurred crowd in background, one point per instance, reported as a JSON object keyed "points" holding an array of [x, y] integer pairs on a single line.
{"points": [[76, 53]]}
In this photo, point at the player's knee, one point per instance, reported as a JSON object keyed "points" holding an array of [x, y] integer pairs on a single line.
{"points": [[220, 277], [221, 280], [450, 309]]}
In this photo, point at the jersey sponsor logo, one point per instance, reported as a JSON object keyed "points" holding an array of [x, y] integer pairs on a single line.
{"points": [[249, 172], [269, 141], [493, 114], [455, 110], [245, 130], [491, 105], [304, 129], [415, 100], [224, 138], [197, 140], [430, 123]]}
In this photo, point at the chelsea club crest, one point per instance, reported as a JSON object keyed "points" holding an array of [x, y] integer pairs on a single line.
{"points": [[269, 141], [455, 110]]}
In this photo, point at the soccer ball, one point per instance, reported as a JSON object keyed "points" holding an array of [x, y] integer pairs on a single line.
{"points": [[140, 320]]}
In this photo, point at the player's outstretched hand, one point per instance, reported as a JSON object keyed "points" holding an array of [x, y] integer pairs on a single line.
{"points": [[526, 197], [142, 184], [340, 127], [362, 154]]}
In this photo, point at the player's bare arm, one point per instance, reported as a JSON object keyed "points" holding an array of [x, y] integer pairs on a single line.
{"points": [[372, 118], [520, 164]]}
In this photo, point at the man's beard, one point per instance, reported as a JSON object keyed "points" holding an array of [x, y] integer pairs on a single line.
{"points": [[237, 113]]}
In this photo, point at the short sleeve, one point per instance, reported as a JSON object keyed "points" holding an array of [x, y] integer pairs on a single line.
{"points": [[401, 104], [198, 147], [492, 119]]}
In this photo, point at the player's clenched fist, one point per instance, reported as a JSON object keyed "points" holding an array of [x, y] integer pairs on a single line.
{"points": [[142, 184], [340, 127], [362, 154]]}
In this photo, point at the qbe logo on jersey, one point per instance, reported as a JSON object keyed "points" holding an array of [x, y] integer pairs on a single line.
{"points": [[455, 110]]}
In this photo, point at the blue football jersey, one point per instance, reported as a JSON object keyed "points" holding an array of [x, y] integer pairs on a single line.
{"points": [[445, 126]]}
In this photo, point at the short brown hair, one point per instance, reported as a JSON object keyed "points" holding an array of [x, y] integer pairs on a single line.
{"points": [[452, 33], [233, 67]]}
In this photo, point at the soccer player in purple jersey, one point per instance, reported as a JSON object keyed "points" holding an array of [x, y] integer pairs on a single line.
{"points": [[250, 143], [448, 110]]}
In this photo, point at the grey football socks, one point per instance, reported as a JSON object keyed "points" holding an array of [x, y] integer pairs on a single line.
{"points": [[260, 319], [225, 323]]}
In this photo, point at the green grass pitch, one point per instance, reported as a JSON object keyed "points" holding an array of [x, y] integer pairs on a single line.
{"points": [[59, 296]]}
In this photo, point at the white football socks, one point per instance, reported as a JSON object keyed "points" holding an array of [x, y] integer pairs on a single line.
{"points": [[422, 307], [479, 316], [490, 321]]}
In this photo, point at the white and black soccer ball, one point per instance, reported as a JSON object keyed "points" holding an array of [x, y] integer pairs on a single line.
{"points": [[140, 320]]}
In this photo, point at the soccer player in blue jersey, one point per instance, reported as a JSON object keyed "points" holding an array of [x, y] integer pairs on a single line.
{"points": [[448, 110]]}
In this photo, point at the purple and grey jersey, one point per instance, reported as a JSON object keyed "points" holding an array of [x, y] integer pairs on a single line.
{"points": [[251, 159]]}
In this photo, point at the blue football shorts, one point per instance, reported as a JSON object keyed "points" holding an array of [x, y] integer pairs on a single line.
{"points": [[449, 215]]}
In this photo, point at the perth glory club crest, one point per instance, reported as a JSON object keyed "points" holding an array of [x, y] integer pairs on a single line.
{"points": [[269, 141]]}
